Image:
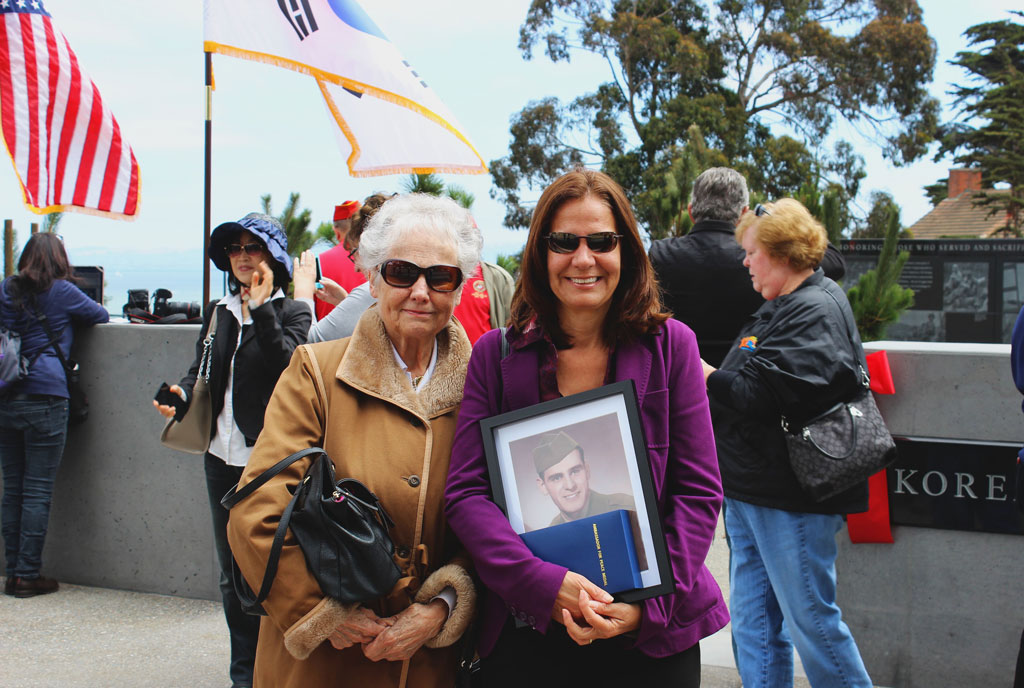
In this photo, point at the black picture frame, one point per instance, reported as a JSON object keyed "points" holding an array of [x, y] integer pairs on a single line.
{"points": [[606, 423]]}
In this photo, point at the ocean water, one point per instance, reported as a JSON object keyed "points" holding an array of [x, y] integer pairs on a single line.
{"points": [[179, 272]]}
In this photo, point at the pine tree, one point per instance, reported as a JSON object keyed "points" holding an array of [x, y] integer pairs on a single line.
{"points": [[295, 223], [992, 99], [877, 299]]}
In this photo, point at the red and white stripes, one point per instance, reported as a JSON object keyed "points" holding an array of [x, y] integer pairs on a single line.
{"points": [[66, 145]]}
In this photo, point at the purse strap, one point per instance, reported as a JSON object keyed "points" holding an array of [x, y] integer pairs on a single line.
{"points": [[41, 317], [865, 379], [253, 603], [206, 362], [250, 603], [235, 495], [321, 388], [865, 382]]}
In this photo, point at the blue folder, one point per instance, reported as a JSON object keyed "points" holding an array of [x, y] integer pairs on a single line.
{"points": [[599, 547]]}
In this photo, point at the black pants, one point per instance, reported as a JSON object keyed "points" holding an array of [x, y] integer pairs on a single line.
{"points": [[523, 658], [1018, 680], [242, 628]]}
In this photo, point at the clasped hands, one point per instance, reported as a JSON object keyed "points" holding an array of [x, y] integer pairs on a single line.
{"points": [[393, 638], [581, 600]]}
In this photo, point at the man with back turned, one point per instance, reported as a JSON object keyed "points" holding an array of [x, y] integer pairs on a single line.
{"points": [[701, 274]]}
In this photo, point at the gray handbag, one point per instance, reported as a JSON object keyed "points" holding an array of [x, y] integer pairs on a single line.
{"points": [[192, 433], [843, 446]]}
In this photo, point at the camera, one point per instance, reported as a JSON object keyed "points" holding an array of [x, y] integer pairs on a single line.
{"points": [[164, 310], [162, 306]]}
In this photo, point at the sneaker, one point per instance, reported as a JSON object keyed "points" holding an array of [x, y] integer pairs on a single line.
{"points": [[30, 587], [9, 585]]}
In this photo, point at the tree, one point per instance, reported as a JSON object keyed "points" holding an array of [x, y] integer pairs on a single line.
{"points": [[295, 223], [877, 299], [51, 221], [883, 209], [995, 99], [431, 184], [510, 263], [676, 73]]}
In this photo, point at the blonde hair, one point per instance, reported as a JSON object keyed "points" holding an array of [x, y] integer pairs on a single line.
{"points": [[787, 231]]}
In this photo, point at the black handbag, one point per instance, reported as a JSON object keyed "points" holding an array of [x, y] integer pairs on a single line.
{"points": [[78, 402], [843, 446], [341, 527]]}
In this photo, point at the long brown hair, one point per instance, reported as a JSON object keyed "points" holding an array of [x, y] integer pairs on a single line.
{"points": [[636, 304], [43, 261]]}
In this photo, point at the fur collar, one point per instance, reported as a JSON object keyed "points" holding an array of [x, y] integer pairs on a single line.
{"points": [[368, 364]]}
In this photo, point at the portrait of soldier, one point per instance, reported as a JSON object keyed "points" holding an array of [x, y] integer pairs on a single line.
{"points": [[563, 474]]}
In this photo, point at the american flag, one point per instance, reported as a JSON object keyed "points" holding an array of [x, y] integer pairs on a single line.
{"points": [[66, 145]]}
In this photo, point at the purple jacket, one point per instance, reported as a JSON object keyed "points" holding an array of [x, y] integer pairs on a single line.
{"points": [[674, 407]]}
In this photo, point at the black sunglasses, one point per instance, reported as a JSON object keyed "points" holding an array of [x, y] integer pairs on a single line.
{"points": [[599, 242], [403, 274], [760, 211], [252, 249]]}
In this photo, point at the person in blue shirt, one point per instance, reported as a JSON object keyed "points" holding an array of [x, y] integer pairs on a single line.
{"points": [[1017, 367], [34, 415]]}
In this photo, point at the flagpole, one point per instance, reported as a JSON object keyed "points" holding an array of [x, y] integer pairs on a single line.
{"points": [[206, 180]]}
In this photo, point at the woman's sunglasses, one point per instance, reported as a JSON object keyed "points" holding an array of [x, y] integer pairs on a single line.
{"points": [[599, 242], [760, 211], [251, 249], [403, 274]]}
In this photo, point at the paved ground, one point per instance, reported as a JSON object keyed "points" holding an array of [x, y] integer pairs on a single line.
{"points": [[97, 638]]}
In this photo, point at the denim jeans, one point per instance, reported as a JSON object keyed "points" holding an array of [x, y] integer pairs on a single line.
{"points": [[32, 433], [782, 579], [242, 628]]}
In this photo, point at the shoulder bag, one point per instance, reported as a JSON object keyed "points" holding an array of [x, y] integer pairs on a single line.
{"points": [[192, 433], [78, 402], [843, 446], [340, 526]]}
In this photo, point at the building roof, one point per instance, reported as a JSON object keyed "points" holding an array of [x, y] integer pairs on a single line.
{"points": [[959, 217]]}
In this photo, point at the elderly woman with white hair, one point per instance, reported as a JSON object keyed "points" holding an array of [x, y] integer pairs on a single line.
{"points": [[386, 416]]}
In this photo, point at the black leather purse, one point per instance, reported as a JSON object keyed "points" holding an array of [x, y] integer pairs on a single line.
{"points": [[844, 446], [341, 527]]}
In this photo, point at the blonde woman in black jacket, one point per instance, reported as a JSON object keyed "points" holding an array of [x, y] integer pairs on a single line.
{"points": [[796, 357], [257, 330]]}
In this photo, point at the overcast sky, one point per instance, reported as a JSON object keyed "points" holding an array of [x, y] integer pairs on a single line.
{"points": [[272, 133]]}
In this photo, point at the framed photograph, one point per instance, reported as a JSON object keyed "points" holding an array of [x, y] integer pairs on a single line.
{"points": [[574, 473]]}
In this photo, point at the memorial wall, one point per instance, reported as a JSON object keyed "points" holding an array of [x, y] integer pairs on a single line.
{"points": [[965, 290]]}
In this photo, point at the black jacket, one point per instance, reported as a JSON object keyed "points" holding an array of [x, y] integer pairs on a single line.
{"points": [[705, 285], [278, 327], [801, 363]]}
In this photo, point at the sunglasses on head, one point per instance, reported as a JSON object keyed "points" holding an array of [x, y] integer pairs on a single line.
{"points": [[760, 211], [599, 242], [403, 274], [252, 249]]}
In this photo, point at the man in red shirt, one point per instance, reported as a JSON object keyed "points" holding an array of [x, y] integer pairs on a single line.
{"points": [[337, 263]]}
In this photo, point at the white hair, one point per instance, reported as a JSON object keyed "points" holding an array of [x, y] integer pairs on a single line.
{"points": [[446, 220]]}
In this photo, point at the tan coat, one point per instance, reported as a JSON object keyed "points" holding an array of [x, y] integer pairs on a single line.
{"points": [[398, 443]]}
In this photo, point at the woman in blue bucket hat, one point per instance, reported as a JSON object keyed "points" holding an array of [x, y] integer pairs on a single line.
{"points": [[257, 329]]}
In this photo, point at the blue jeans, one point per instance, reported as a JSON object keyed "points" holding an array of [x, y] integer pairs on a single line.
{"points": [[242, 628], [782, 579], [32, 433]]}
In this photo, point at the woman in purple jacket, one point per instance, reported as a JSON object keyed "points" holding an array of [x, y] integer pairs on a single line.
{"points": [[587, 312], [34, 416]]}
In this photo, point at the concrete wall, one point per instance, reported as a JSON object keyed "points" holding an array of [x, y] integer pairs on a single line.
{"points": [[940, 607], [127, 512]]}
